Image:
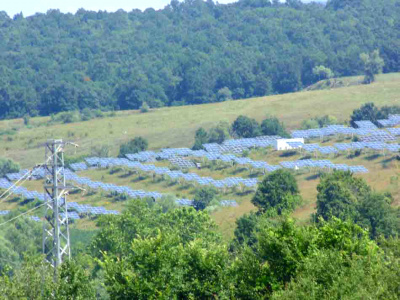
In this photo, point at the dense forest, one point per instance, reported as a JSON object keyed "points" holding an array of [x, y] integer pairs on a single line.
{"points": [[190, 52]]}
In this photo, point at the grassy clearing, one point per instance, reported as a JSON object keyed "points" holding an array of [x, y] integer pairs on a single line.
{"points": [[175, 126], [384, 175]]}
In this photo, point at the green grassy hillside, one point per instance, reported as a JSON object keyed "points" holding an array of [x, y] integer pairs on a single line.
{"points": [[175, 126], [383, 176]]}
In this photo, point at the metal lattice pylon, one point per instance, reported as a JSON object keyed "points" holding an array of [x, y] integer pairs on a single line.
{"points": [[56, 244]]}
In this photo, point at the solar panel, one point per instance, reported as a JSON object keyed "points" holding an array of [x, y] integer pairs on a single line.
{"points": [[365, 125], [295, 145], [78, 166], [227, 203], [327, 150], [182, 163]]}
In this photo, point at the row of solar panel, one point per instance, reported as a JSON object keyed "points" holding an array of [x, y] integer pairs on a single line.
{"points": [[26, 194], [121, 189], [234, 146], [393, 120], [181, 162], [364, 128], [228, 182], [308, 163], [378, 146], [88, 209], [191, 177], [6, 212]]}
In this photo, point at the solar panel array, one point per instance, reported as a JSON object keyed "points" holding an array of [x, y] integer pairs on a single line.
{"points": [[377, 146], [34, 218], [393, 120], [131, 193], [228, 203], [114, 188], [394, 131], [184, 202], [75, 209], [293, 165], [372, 140], [366, 125], [181, 163], [21, 191], [6, 212], [26, 194], [144, 156], [240, 145], [330, 131], [230, 158], [229, 146], [190, 177], [379, 136], [37, 173], [340, 147], [321, 164], [317, 148], [295, 145], [78, 166], [151, 156]]}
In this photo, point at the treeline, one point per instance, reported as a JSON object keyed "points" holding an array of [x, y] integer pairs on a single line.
{"points": [[242, 127], [191, 52], [156, 250]]}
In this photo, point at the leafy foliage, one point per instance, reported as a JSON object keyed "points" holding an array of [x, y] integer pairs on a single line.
{"points": [[58, 62], [373, 64], [203, 197], [8, 166], [245, 232], [134, 146], [376, 213], [242, 127], [344, 196], [322, 72], [370, 112], [277, 192], [327, 274], [219, 133], [338, 195], [272, 126], [201, 137], [158, 267], [35, 280], [154, 251], [319, 122], [245, 127]]}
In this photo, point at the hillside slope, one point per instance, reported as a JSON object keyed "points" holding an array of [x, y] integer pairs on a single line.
{"points": [[175, 126], [341, 82]]}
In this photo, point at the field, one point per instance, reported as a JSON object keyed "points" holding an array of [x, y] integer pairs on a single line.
{"points": [[383, 176], [175, 127]]}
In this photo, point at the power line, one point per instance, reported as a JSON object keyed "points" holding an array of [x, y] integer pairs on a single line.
{"points": [[56, 242], [23, 214], [27, 175]]}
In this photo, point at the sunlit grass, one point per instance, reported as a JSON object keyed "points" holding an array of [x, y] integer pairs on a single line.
{"points": [[175, 126]]}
